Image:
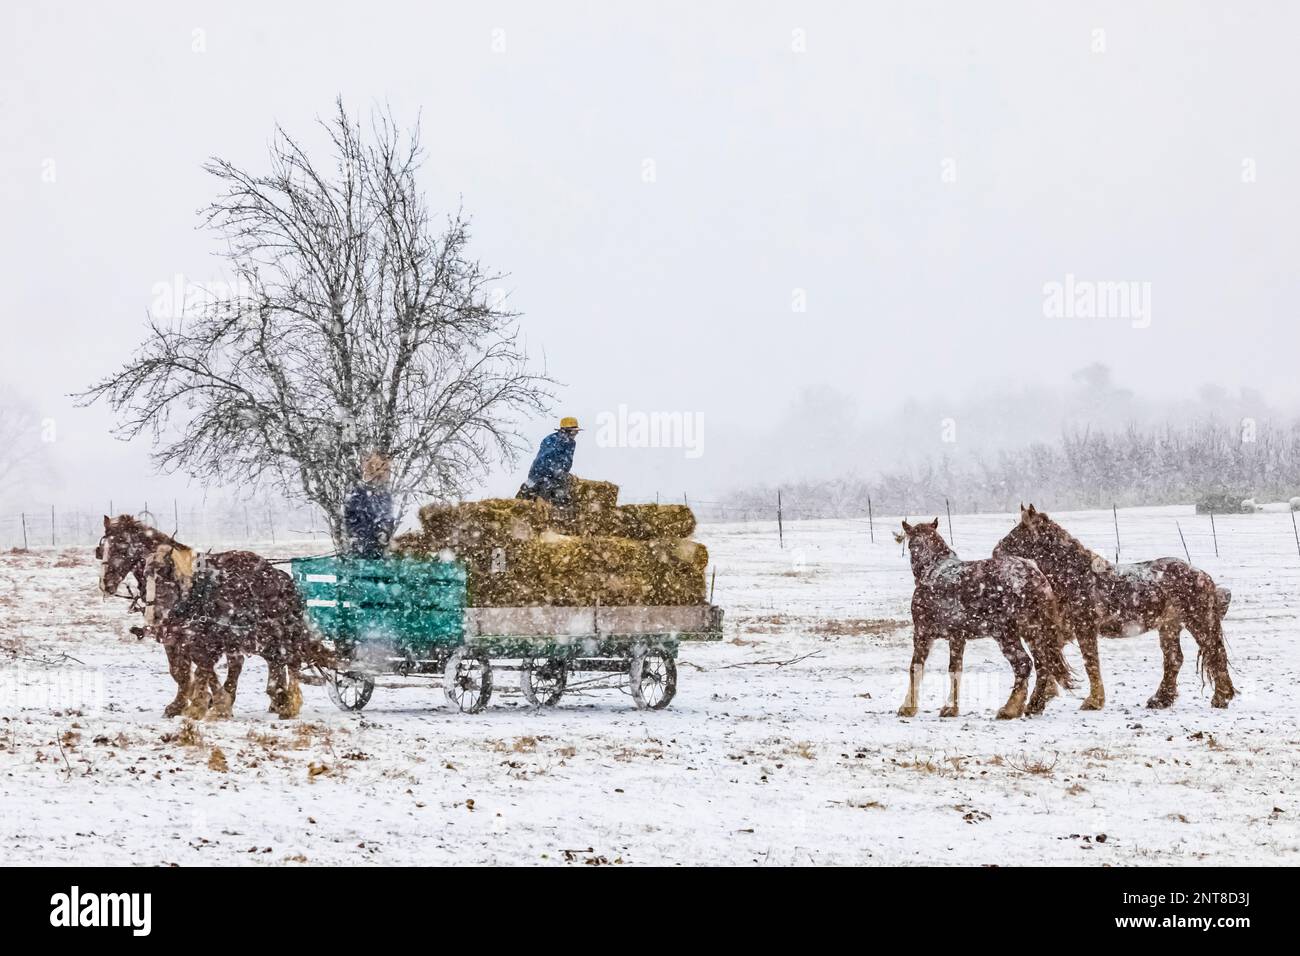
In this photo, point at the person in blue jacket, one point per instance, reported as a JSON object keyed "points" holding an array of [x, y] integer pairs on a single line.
{"points": [[368, 520], [548, 478]]}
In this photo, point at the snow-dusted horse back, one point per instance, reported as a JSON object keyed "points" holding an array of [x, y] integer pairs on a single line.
{"points": [[1005, 598]]}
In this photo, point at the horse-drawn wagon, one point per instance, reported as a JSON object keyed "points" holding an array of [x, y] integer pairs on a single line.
{"points": [[409, 617]]}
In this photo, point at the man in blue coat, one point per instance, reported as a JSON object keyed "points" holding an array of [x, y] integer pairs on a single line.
{"points": [[368, 520], [548, 478]]}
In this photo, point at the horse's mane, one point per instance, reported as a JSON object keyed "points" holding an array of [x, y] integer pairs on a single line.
{"points": [[133, 525], [1068, 542]]}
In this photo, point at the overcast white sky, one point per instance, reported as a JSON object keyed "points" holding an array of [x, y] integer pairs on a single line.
{"points": [[776, 170]]}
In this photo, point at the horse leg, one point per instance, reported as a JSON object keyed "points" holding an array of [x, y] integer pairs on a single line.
{"points": [[234, 665], [178, 663], [270, 689], [1021, 665], [1044, 658], [293, 696], [223, 703], [1172, 651], [921, 643], [201, 686], [956, 648], [276, 679], [1096, 698], [282, 687], [1212, 656], [288, 698]]}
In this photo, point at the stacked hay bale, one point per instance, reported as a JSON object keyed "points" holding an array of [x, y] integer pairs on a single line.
{"points": [[526, 553]]}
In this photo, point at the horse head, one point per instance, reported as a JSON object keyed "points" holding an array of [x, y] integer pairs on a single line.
{"points": [[1028, 534], [125, 549], [121, 552], [924, 542]]}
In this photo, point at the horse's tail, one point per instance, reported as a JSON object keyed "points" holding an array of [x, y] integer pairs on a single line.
{"points": [[316, 654], [1211, 648], [1059, 634], [1051, 630], [320, 656]]}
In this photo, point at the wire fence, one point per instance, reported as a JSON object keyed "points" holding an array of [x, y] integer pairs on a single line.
{"points": [[50, 526], [283, 523]]}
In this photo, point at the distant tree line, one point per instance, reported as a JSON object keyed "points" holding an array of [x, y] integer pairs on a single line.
{"points": [[1085, 468]]}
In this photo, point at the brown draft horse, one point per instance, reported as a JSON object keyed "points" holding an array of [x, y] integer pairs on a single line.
{"points": [[1099, 598], [1005, 598], [203, 606], [122, 553]]}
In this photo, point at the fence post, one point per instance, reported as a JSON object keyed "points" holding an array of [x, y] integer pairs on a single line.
{"points": [[24, 517], [1215, 534], [952, 538], [1186, 553], [1115, 513], [780, 529], [871, 521]]}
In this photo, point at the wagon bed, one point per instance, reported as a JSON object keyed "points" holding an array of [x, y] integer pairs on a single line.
{"points": [[409, 617]]}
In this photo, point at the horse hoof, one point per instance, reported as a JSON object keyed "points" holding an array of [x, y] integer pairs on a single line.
{"points": [[1007, 713], [906, 711], [1159, 703], [1091, 704], [948, 712], [174, 709], [1220, 702]]}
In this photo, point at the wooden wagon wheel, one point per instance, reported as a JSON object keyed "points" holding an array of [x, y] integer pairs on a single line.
{"points": [[652, 675], [350, 690], [467, 680], [543, 680]]}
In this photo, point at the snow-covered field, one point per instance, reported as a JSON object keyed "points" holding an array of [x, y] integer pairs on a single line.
{"points": [[781, 747]]}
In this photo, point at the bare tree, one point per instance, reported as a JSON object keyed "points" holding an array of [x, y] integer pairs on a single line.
{"points": [[353, 325]]}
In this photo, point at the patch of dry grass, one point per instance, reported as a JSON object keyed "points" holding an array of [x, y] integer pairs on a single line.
{"points": [[1035, 766], [856, 626], [188, 736]]}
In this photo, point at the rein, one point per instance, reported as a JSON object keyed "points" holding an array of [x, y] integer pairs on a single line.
{"points": [[310, 557]]}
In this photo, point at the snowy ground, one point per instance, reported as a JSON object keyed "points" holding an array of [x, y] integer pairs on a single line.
{"points": [[757, 761]]}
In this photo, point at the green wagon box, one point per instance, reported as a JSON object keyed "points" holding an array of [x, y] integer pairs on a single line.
{"points": [[417, 607]]}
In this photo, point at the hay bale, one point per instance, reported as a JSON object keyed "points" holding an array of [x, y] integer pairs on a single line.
{"points": [[587, 570], [585, 493], [650, 521], [592, 510], [492, 522], [414, 544]]}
